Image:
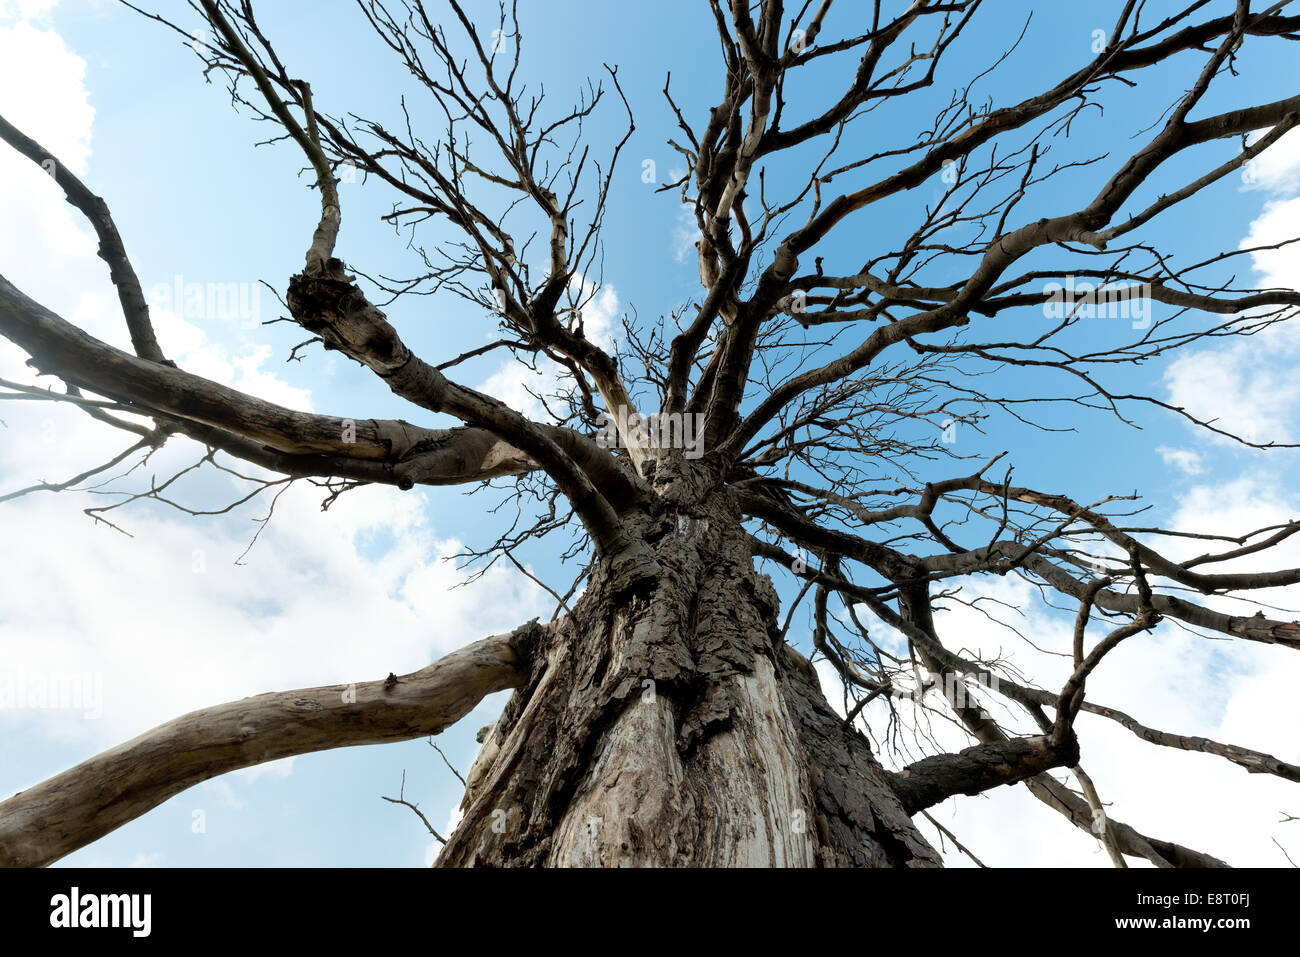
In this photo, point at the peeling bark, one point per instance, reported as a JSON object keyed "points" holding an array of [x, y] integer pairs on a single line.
{"points": [[672, 727]]}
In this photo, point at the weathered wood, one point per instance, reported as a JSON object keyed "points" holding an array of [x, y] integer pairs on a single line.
{"points": [[42, 824], [673, 727]]}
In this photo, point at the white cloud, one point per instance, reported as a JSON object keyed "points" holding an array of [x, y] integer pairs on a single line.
{"points": [[599, 312], [25, 9], [1235, 390], [1277, 169], [1248, 386], [165, 619], [1274, 226], [171, 623], [686, 233], [1232, 691], [196, 352], [519, 387], [1185, 460], [42, 92]]}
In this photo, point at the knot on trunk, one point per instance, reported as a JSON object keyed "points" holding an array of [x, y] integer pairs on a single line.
{"points": [[333, 307]]}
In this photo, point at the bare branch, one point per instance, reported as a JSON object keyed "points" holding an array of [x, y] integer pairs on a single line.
{"points": [[45, 822]]}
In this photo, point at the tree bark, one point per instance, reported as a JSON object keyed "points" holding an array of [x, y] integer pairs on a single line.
{"points": [[671, 726]]}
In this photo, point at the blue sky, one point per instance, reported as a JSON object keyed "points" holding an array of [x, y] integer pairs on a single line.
{"points": [[365, 589]]}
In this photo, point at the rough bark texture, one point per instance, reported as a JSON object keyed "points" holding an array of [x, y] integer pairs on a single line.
{"points": [[672, 726]]}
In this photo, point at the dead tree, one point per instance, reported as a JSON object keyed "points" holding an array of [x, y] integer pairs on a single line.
{"points": [[662, 718]]}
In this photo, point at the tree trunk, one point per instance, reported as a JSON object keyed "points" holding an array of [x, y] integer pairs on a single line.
{"points": [[673, 726]]}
